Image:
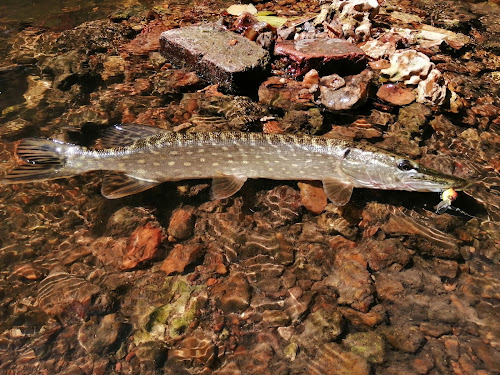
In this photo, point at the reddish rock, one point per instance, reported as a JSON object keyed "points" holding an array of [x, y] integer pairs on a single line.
{"points": [[286, 93], [313, 196], [180, 257], [142, 246], [325, 55], [395, 94], [211, 51], [147, 41], [181, 224]]}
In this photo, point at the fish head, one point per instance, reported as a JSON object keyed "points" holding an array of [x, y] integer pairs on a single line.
{"points": [[374, 168], [418, 178]]}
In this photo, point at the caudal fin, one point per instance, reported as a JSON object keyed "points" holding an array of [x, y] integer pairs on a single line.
{"points": [[42, 159]]}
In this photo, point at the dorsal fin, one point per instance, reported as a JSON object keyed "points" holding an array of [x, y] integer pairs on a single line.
{"points": [[224, 186], [118, 184], [339, 192], [126, 134]]}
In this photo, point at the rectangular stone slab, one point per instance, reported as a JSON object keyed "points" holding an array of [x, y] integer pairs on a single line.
{"points": [[330, 55], [219, 55]]}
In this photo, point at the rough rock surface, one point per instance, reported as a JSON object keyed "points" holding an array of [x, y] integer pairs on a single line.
{"points": [[325, 55], [223, 57]]}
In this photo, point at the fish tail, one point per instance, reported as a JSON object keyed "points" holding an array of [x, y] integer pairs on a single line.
{"points": [[40, 159]]}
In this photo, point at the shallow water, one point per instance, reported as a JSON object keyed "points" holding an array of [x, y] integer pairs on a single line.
{"points": [[169, 282]]}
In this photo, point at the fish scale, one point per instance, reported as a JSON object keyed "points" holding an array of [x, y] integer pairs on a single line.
{"points": [[141, 157]]}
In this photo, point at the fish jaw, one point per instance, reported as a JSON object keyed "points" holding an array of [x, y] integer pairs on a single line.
{"points": [[429, 180]]}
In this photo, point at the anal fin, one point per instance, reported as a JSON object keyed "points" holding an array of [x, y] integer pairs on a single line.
{"points": [[118, 184], [337, 191], [224, 186]]}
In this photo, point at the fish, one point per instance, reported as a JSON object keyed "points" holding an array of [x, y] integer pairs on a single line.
{"points": [[138, 158]]}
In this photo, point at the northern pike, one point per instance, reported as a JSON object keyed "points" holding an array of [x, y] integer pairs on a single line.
{"points": [[138, 158]]}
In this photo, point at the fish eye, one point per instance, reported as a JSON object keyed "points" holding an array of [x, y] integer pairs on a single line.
{"points": [[405, 165]]}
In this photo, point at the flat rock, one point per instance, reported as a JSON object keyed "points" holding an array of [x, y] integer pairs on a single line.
{"points": [[221, 56], [325, 55]]}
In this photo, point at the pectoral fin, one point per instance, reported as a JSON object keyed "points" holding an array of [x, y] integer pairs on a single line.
{"points": [[117, 185], [224, 186], [337, 191]]}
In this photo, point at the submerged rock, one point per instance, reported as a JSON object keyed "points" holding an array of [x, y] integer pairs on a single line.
{"points": [[353, 94], [395, 94], [223, 57]]}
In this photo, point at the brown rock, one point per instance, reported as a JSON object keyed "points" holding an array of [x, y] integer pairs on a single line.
{"points": [[26, 271], [364, 320], [60, 291], [286, 93], [354, 285], [434, 329], [333, 359], [388, 289], [446, 268], [147, 41], [232, 294], [196, 349], [97, 335], [406, 339], [353, 94], [142, 246], [180, 257], [313, 196], [325, 55], [181, 224], [395, 94]]}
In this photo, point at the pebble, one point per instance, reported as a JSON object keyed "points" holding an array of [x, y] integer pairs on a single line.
{"points": [[232, 294], [142, 246], [395, 94], [407, 339], [181, 224], [60, 292], [97, 335], [368, 345], [180, 257], [313, 196]]}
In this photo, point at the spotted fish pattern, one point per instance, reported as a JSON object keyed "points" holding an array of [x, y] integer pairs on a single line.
{"points": [[140, 157]]}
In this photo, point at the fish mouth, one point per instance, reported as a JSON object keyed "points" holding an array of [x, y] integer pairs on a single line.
{"points": [[430, 180]]}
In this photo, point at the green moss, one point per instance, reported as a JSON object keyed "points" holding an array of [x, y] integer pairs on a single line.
{"points": [[174, 318]]}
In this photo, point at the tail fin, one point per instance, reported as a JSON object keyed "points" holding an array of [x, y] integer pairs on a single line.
{"points": [[42, 159]]}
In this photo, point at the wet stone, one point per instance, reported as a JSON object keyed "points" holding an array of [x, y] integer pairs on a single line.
{"points": [[332, 359], [313, 196], [98, 335], [181, 224], [395, 94], [180, 257], [368, 345], [232, 294], [60, 291], [353, 94], [212, 52], [196, 349], [406, 339], [142, 246], [327, 56]]}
